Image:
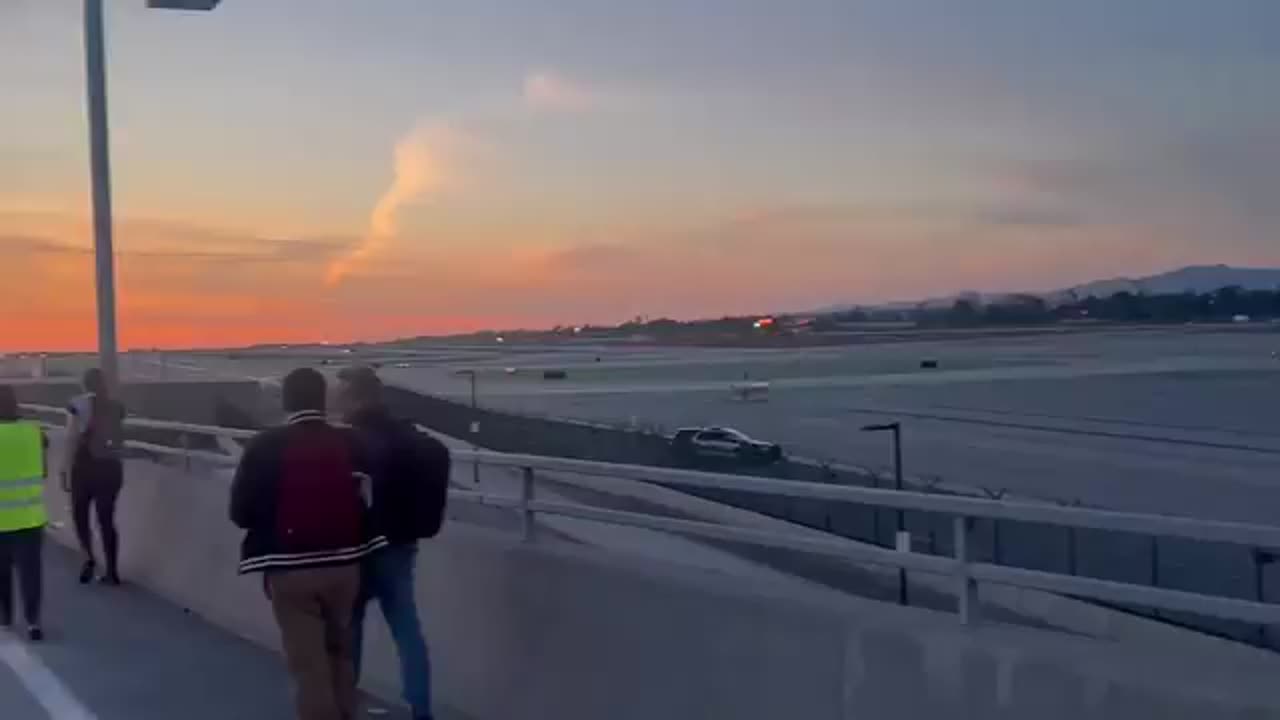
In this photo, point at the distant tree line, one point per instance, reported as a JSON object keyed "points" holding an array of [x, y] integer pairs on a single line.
{"points": [[966, 312], [665, 329], [1122, 307]]}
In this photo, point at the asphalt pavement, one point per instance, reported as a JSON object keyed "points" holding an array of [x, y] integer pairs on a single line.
{"points": [[124, 654]]}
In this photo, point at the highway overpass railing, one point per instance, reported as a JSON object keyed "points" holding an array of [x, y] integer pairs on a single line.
{"points": [[965, 573]]}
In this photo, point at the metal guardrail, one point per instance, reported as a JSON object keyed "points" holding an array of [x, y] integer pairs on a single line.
{"points": [[965, 572], [194, 429]]}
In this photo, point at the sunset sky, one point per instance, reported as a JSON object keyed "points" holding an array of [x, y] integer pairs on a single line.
{"points": [[291, 170]]}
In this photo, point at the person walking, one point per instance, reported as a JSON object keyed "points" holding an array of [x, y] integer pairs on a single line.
{"points": [[300, 494], [410, 489], [22, 513], [93, 471]]}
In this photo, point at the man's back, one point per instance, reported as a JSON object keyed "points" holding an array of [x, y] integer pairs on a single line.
{"points": [[410, 476]]}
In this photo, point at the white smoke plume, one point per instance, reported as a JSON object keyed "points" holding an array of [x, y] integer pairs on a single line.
{"points": [[421, 159]]}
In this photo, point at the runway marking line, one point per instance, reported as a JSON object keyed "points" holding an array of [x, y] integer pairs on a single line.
{"points": [[48, 690]]}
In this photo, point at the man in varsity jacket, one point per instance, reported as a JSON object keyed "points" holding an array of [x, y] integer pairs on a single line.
{"points": [[301, 493]]}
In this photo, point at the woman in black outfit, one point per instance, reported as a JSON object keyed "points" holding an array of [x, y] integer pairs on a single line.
{"points": [[95, 436]]}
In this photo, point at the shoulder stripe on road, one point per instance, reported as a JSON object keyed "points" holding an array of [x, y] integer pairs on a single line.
{"points": [[45, 687]]}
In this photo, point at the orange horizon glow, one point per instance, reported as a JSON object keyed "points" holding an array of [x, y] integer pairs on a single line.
{"points": [[176, 290], [79, 335]]}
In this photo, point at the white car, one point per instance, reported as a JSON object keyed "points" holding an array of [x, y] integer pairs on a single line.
{"points": [[726, 443]]}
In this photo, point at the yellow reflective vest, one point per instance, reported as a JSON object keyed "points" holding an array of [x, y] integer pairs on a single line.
{"points": [[22, 476]]}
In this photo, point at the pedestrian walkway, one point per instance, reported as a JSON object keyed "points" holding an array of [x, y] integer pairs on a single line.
{"points": [[124, 654]]}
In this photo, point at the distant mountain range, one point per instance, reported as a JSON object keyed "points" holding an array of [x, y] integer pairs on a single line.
{"points": [[1195, 278]]}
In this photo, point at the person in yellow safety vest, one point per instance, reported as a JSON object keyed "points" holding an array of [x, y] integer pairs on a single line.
{"points": [[23, 452]]}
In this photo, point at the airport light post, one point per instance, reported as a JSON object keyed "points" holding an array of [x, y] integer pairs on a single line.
{"points": [[896, 429], [1261, 559], [995, 523], [100, 173], [475, 424], [1071, 542]]}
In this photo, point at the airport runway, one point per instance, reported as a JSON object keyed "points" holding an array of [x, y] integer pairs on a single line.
{"points": [[1166, 422], [1181, 421], [969, 434]]}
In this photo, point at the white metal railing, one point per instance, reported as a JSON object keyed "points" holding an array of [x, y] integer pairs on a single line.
{"points": [[961, 567]]}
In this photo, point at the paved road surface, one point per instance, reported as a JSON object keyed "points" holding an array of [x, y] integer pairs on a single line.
{"points": [[122, 654]]}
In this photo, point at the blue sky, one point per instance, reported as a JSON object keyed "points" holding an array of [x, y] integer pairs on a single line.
{"points": [[746, 154]]}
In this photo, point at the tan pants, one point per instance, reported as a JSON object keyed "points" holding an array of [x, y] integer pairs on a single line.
{"points": [[313, 608]]}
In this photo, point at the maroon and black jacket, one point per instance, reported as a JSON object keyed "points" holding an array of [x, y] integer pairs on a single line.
{"points": [[299, 492]]}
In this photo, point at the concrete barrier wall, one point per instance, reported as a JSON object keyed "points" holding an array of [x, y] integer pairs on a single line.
{"points": [[531, 631]]}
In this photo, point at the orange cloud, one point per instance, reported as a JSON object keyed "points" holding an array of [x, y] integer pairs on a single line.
{"points": [[176, 284], [185, 285], [798, 258]]}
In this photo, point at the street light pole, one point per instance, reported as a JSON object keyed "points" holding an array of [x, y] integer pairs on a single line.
{"points": [[475, 425], [896, 429], [1261, 558], [902, 514], [95, 62], [897, 465], [100, 182]]}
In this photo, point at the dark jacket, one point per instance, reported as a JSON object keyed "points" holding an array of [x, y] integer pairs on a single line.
{"points": [[101, 438], [299, 493], [410, 476]]}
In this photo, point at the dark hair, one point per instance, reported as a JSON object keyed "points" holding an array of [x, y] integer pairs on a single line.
{"points": [[363, 382], [95, 381], [8, 404], [304, 389]]}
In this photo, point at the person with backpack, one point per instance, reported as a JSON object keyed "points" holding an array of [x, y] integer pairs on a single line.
{"points": [[410, 490], [23, 447], [93, 471], [300, 494]]}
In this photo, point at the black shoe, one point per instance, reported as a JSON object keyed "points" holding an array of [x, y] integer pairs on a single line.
{"points": [[86, 572], [112, 579], [35, 633]]}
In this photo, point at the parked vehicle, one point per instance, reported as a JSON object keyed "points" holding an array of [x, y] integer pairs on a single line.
{"points": [[724, 443], [748, 390]]}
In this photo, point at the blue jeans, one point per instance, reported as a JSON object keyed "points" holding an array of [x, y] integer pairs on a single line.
{"points": [[388, 578]]}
